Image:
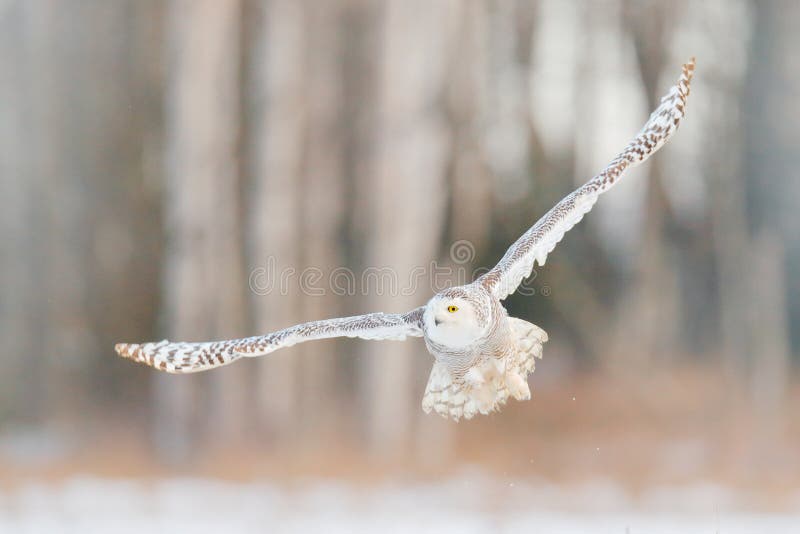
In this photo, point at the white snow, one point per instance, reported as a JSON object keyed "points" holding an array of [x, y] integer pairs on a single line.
{"points": [[464, 504]]}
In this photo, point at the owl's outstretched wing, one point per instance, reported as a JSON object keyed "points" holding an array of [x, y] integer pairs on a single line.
{"points": [[179, 357], [536, 243]]}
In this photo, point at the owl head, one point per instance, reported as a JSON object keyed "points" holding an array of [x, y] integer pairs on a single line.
{"points": [[457, 317]]}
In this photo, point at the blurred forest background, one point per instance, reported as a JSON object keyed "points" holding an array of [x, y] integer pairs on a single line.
{"points": [[155, 154]]}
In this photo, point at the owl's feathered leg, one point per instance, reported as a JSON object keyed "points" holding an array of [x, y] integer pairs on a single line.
{"points": [[485, 383], [486, 386], [518, 386], [530, 340]]}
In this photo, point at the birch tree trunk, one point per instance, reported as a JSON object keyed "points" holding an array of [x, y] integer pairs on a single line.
{"points": [[722, 156], [404, 200], [24, 158], [203, 282], [648, 325], [274, 201], [466, 99], [322, 203], [770, 163], [771, 352], [50, 218], [469, 213], [70, 228]]}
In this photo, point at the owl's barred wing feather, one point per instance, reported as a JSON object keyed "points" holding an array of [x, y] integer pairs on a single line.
{"points": [[179, 357], [542, 238], [370, 326]]}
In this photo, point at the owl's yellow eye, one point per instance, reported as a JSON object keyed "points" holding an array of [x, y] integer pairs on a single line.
{"points": [[452, 309]]}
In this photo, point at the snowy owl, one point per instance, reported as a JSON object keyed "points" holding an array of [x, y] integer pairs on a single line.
{"points": [[481, 355]]}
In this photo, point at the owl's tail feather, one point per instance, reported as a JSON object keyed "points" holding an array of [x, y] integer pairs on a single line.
{"points": [[180, 357]]}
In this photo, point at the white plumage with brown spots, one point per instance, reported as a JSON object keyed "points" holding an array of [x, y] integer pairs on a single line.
{"points": [[481, 355]]}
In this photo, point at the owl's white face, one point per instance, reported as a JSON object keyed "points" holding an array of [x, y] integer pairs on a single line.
{"points": [[452, 321]]}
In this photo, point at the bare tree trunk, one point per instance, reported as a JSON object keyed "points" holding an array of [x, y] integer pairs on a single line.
{"points": [[25, 156], [770, 161], [470, 186], [203, 278], [722, 149], [51, 136], [730, 237], [565, 121], [405, 201], [323, 210], [649, 323], [471, 182], [771, 353], [276, 165], [71, 228]]}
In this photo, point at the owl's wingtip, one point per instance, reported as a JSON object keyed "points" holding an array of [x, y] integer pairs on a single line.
{"points": [[132, 351]]}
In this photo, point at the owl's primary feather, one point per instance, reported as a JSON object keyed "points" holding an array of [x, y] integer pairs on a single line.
{"points": [[541, 239], [179, 357], [482, 356]]}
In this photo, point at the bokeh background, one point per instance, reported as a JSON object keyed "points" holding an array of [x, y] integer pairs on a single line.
{"points": [[157, 157]]}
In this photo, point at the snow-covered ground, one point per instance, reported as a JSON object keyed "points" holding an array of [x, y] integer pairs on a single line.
{"points": [[464, 504]]}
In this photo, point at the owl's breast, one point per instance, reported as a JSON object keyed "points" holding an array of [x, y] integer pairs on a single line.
{"points": [[497, 344]]}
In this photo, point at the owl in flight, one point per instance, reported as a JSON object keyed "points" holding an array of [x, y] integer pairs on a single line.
{"points": [[481, 355]]}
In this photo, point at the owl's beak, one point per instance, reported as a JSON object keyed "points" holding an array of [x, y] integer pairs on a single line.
{"points": [[437, 321]]}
